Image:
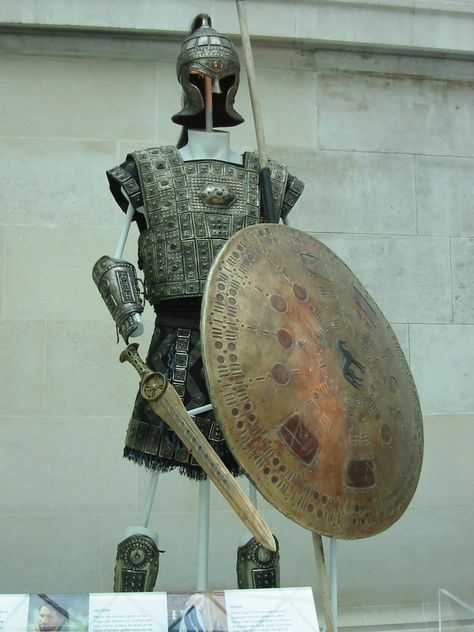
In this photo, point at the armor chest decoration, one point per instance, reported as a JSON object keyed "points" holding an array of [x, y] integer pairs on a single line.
{"points": [[192, 208]]}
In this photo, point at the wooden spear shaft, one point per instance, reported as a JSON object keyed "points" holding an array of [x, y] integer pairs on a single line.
{"points": [[265, 180], [323, 581], [271, 216]]}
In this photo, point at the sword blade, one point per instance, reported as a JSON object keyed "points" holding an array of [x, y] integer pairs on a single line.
{"points": [[170, 408], [167, 404]]}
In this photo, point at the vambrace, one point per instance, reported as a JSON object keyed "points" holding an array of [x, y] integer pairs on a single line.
{"points": [[117, 282]]}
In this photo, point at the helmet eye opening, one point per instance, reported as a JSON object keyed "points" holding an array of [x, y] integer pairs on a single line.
{"points": [[227, 82], [197, 79]]}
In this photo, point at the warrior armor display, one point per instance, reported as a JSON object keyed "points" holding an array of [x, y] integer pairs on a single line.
{"points": [[185, 211], [117, 282], [136, 567], [207, 52], [257, 567]]}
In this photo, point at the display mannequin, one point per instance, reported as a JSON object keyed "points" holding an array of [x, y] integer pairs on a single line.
{"points": [[213, 145], [187, 201]]}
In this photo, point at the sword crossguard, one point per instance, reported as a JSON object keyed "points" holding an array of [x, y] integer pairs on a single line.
{"points": [[153, 384]]}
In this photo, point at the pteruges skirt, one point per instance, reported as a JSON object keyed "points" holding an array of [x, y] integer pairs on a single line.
{"points": [[175, 350]]}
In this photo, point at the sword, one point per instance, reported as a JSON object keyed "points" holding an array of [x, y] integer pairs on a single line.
{"points": [[167, 404]]}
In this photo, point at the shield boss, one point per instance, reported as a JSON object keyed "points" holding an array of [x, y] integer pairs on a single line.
{"points": [[314, 394]]}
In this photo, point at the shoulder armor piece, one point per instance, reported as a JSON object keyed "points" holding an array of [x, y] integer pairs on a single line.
{"points": [[279, 176], [285, 187], [294, 188], [119, 177]]}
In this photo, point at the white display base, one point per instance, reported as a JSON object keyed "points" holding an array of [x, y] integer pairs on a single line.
{"points": [[265, 610]]}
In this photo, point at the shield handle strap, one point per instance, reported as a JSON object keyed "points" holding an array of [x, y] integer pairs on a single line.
{"points": [[265, 181], [166, 403]]}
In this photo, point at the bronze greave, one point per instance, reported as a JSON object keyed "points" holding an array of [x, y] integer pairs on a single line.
{"points": [[257, 567], [136, 566]]}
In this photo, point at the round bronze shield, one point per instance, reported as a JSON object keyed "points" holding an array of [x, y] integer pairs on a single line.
{"points": [[313, 392]]}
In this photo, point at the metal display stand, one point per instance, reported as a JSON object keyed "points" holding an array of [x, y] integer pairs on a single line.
{"points": [[454, 613]]}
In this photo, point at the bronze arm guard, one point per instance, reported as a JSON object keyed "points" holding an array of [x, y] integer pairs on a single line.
{"points": [[117, 282]]}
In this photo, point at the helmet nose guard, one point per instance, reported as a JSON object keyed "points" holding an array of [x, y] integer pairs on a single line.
{"points": [[207, 52]]}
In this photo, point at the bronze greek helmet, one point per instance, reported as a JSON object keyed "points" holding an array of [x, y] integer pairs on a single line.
{"points": [[207, 52]]}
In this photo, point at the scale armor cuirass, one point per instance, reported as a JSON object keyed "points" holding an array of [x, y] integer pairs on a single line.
{"points": [[189, 210]]}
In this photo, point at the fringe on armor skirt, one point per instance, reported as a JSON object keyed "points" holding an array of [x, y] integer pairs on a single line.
{"points": [[176, 352]]}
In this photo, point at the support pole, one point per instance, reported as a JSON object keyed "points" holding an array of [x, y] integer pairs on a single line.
{"points": [[124, 233], [203, 515], [203, 536], [247, 536], [333, 576], [323, 581], [253, 494], [202, 581], [150, 496], [208, 96]]}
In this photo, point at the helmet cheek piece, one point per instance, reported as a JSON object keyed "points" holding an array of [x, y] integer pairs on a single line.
{"points": [[193, 100], [230, 98]]}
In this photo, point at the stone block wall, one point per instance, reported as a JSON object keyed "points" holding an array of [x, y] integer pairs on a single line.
{"points": [[384, 142]]}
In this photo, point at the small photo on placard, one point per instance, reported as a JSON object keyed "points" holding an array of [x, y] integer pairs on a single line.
{"points": [[197, 612], [58, 613]]}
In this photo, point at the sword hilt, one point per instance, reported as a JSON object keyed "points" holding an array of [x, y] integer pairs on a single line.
{"points": [[153, 384], [130, 354]]}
